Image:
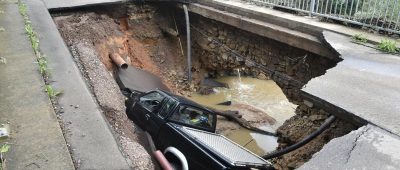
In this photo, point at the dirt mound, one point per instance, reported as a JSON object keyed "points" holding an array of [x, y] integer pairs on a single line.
{"points": [[299, 126]]}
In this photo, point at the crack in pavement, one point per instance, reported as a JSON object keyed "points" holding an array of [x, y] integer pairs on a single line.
{"points": [[355, 144]]}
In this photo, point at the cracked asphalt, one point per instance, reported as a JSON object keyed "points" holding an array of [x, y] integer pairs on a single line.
{"points": [[372, 148]]}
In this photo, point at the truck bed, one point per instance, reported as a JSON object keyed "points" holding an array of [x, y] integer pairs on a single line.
{"points": [[228, 150]]}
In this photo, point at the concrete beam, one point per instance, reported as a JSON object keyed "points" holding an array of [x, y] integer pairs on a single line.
{"points": [[285, 35]]}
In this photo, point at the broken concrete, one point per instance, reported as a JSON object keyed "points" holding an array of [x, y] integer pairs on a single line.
{"points": [[369, 147], [365, 85]]}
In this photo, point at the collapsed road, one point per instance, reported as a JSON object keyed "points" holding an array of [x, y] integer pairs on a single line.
{"points": [[139, 37], [269, 76]]}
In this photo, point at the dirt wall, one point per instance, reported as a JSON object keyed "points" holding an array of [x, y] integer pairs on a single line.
{"points": [[221, 49]]}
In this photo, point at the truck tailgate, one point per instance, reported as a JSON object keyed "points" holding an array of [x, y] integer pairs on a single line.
{"points": [[226, 149]]}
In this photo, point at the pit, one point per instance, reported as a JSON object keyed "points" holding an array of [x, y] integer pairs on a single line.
{"points": [[261, 77]]}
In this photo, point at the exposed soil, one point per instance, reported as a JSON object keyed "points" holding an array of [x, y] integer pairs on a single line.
{"points": [[141, 39], [85, 34], [301, 125]]}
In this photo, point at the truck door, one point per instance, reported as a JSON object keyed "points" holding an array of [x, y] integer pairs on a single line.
{"points": [[146, 106], [157, 119]]}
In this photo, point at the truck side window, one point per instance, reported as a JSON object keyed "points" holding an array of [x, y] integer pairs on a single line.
{"points": [[151, 101], [193, 116], [169, 104]]}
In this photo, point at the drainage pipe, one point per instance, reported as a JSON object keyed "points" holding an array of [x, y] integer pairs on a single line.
{"points": [[188, 44], [158, 155], [304, 141], [117, 59], [164, 163]]}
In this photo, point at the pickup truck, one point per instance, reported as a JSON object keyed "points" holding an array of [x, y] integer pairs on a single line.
{"points": [[185, 131]]}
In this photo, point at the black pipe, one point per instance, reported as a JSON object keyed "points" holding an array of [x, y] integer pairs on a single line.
{"points": [[304, 141]]}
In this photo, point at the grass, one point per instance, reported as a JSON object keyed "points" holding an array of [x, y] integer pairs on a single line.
{"points": [[388, 46], [3, 149], [359, 38], [51, 92]]}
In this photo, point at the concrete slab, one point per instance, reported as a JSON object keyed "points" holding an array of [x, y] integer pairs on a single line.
{"points": [[366, 84], [369, 147], [36, 138], [262, 27], [63, 4], [89, 135]]}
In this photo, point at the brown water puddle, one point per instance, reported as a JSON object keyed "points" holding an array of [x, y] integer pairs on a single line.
{"points": [[263, 95]]}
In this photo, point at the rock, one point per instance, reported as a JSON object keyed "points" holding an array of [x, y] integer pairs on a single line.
{"points": [[253, 114], [225, 56], [212, 83], [317, 117], [262, 76], [212, 45], [308, 103], [226, 103], [206, 90]]}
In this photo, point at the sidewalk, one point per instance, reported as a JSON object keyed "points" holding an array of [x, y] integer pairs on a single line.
{"points": [[36, 139], [90, 137]]}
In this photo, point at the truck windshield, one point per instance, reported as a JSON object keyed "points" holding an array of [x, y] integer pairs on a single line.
{"points": [[168, 106], [193, 117], [151, 101]]}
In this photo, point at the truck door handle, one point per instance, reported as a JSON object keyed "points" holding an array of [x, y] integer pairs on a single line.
{"points": [[147, 116]]}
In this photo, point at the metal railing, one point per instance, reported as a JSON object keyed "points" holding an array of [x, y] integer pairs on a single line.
{"points": [[376, 14]]}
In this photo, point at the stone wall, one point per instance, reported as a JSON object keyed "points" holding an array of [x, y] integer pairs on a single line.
{"points": [[221, 49]]}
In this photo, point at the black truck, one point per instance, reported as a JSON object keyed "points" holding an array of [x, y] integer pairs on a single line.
{"points": [[185, 130]]}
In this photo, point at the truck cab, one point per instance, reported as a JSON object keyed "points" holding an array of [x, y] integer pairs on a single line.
{"points": [[188, 128], [157, 107]]}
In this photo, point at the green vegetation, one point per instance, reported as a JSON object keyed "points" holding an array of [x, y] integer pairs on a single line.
{"points": [[2, 29], [51, 92], [34, 41], [41, 59], [3, 149], [359, 38], [43, 66], [388, 46]]}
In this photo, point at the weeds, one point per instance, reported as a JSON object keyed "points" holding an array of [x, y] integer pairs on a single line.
{"points": [[3, 149], [42, 62], [34, 40], [388, 46], [3, 60], [51, 92], [41, 59], [359, 38]]}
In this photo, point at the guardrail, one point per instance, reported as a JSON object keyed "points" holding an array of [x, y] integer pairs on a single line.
{"points": [[381, 15]]}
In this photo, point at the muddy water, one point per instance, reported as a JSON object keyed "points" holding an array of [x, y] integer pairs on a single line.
{"points": [[261, 94]]}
